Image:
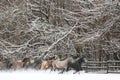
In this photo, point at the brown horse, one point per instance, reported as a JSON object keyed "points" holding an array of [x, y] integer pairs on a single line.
{"points": [[58, 64], [5, 64], [27, 62], [46, 64], [17, 64]]}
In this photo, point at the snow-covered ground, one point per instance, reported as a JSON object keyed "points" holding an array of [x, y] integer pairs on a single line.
{"points": [[53, 75]]}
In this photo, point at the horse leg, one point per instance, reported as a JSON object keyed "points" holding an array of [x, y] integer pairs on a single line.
{"points": [[53, 67], [67, 69], [79, 72], [62, 71], [76, 71]]}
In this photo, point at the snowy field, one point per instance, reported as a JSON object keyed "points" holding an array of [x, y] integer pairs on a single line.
{"points": [[53, 75]]}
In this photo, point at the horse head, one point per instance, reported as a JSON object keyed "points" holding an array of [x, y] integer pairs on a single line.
{"points": [[82, 59], [31, 60]]}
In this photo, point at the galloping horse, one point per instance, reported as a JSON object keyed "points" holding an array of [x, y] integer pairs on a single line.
{"points": [[17, 64], [58, 64], [5, 64], [77, 64], [46, 64], [37, 63], [27, 62]]}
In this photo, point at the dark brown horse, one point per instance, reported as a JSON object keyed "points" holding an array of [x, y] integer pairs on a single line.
{"points": [[27, 62], [37, 62], [76, 65]]}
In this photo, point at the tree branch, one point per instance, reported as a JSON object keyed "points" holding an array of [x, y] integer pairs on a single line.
{"points": [[74, 26]]}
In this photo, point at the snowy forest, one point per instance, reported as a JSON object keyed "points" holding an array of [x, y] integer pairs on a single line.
{"points": [[44, 28]]}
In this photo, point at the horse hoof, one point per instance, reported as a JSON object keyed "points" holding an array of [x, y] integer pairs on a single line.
{"points": [[60, 73], [74, 73]]}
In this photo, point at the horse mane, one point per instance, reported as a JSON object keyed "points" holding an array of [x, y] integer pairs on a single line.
{"points": [[25, 59]]}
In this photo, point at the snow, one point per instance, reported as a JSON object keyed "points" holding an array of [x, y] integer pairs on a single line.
{"points": [[53, 75]]}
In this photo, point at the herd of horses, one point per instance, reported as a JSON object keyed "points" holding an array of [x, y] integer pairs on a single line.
{"points": [[54, 63]]}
